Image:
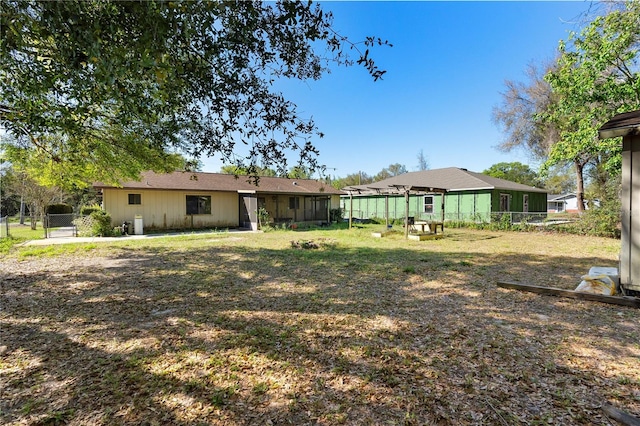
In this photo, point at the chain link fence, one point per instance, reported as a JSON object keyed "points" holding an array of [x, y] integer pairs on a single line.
{"points": [[511, 218], [60, 225]]}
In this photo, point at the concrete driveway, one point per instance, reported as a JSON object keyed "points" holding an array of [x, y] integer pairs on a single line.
{"points": [[75, 240]]}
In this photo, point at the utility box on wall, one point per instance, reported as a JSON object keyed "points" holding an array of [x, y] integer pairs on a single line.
{"points": [[627, 125]]}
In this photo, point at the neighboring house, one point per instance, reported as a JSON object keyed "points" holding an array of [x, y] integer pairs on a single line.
{"points": [[203, 200], [468, 196], [567, 203], [563, 203]]}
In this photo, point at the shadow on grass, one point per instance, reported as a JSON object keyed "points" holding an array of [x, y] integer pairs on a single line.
{"points": [[243, 335]]}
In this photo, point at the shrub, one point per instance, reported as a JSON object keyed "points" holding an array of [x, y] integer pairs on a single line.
{"points": [[58, 209], [335, 215], [87, 210], [264, 219], [101, 225], [603, 221]]}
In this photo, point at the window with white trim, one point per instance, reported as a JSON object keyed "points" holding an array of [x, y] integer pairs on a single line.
{"points": [[428, 204]]}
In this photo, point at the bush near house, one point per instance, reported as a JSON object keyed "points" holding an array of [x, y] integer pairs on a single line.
{"points": [[87, 210], [59, 209], [96, 224]]}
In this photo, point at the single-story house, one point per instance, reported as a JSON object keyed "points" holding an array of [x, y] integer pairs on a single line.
{"points": [[567, 203], [562, 203], [182, 200], [468, 196]]}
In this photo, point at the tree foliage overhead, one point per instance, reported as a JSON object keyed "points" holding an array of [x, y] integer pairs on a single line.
{"points": [[113, 87], [596, 77]]}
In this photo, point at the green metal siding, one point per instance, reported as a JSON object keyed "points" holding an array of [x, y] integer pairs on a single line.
{"points": [[537, 201], [471, 205], [461, 205]]}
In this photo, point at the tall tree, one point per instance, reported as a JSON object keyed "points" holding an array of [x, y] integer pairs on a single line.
{"points": [[299, 172], [559, 179], [35, 195], [596, 77], [518, 114], [423, 162], [9, 200], [393, 170], [110, 88], [353, 179], [515, 172]]}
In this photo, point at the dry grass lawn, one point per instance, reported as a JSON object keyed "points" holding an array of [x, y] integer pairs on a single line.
{"points": [[244, 329]]}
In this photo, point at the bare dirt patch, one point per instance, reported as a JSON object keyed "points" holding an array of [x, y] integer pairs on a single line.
{"points": [[361, 331]]}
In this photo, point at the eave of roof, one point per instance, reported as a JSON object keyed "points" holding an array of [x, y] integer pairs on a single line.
{"points": [[624, 124], [561, 197], [200, 181]]}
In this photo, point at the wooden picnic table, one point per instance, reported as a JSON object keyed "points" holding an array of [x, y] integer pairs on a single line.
{"points": [[430, 226]]}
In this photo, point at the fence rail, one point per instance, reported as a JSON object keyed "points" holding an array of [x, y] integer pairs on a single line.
{"points": [[507, 217]]}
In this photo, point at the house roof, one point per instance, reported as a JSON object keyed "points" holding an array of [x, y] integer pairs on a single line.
{"points": [[199, 181], [627, 123], [449, 179], [560, 197]]}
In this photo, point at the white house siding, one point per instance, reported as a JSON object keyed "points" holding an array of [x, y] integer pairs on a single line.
{"points": [[168, 209]]}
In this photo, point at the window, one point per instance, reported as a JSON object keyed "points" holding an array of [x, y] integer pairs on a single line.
{"points": [[135, 199], [525, 203], [294, 203], [505, 203], [428, 203], [198, 204]]}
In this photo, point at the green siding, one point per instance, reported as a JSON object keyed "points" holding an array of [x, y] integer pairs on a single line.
{"points": [[462, 205], [537, 201], [471, 205]]}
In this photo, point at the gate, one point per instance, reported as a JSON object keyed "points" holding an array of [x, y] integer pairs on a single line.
{"points": [[60, 225]]}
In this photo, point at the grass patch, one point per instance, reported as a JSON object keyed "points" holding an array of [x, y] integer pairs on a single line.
{"points": [[230, 329], [54, 250]]}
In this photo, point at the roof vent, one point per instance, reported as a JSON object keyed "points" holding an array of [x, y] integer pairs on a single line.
{"points": [[295, 183], [463, 169]]}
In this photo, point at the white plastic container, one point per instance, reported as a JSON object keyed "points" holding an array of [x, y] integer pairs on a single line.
{"points": [[137, 225]]}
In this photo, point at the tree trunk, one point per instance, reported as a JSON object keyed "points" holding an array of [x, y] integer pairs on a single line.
{"points": [[21, 209], [34, 219], [580, 185]]}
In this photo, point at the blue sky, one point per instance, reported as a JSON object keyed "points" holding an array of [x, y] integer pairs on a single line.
{"points": [[445, 72]]}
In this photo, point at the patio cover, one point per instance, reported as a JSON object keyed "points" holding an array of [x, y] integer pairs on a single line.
{"points": [[395, 189]]}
